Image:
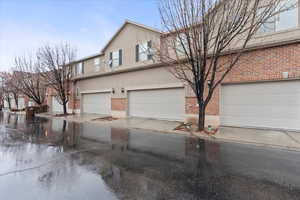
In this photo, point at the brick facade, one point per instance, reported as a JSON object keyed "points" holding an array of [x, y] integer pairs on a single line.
{"points": [[258, 65], [119, 104]]}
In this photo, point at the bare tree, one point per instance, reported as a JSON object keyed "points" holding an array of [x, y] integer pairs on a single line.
{"points": [[1, 97], [56, 70], [10, 92], [4, 90], [29, 80], [205, 39]]}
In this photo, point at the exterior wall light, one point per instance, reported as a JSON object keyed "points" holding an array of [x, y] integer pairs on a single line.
{"points": [[122, 90], [113, 90], [209, 83], [285, 74]]}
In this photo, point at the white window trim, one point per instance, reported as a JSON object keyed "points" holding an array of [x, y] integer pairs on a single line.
{"points": [[178, 45], [79, 70], [276, 22], [115, 61], [97, 64], [143, 52]]}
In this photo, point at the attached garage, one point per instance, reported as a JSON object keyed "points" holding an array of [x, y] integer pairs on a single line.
{"points": [[13, 103], [96, 103], [273, 105], [166, 104], [21, 103], [6, 104]]}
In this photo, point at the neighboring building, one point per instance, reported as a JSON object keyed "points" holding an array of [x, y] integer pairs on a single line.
{"points": [[262, 91], [22, 102]]}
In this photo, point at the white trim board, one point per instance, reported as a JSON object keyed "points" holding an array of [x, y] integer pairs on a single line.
{"points": [[161, 86], [96, 91]]}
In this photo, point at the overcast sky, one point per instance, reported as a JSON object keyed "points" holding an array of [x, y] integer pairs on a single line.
{"points": [[86, 24]]}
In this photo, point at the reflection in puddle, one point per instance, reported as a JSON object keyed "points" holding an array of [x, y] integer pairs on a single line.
{"points": [[64, 160]]}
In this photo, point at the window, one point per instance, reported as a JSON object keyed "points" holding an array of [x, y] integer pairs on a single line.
{"points": [[144, 51], [288, 19], [284, 20], [79, 68], [77, 92], [181, 44], [115, 58], [97, 64]]}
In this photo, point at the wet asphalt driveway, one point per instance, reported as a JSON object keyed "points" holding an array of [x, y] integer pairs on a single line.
{"points": [[52, 159]]}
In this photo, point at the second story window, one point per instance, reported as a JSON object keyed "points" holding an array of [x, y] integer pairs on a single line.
{"points": [[79, 68], [181, 44], [115, 58], [284, 20], [143, 51], [97, 64], [77, 92]]}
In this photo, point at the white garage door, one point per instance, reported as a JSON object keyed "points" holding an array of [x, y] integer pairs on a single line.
{"points": [[13, 103], [21, 103], [266, 105], [57, 107], [6, 104], [97, 103], [160, 104]]}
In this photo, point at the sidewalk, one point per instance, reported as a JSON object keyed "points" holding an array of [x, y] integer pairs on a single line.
{"points": [[279, 139]]}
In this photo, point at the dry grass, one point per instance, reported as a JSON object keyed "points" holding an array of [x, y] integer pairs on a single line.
{"points": [[106, 119]]}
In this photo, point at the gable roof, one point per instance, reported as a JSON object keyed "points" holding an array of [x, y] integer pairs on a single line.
{"points": [[86, 58], [123, 26]]}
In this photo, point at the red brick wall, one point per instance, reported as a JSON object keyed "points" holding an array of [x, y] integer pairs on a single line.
{"points": [[267, 64], [257, 65], [119, 104], [76, 104], [73, 102]]}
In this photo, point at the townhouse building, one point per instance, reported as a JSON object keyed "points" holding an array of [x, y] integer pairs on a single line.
{"points": [[263, 90]]}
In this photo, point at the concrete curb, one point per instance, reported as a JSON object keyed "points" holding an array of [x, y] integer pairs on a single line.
{"points": [[183, 133]]}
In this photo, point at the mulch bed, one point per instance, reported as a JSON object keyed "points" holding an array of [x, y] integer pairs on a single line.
{"points": [[188, 127], [183, 127], [63, 115], [106, 119], [209, 132]]}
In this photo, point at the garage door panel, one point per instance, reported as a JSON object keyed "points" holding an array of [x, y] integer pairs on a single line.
{"points": [[57, 107], [98, 103], [21, 103], [160, 103], [265, 105]]}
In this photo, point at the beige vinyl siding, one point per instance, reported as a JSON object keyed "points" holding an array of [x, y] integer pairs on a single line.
{"points": [[150, 77], [127, 40]]}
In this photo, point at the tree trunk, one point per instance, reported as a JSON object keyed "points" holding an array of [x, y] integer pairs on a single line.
{"points": [[201, 117], [9, 104], [65, 108]]}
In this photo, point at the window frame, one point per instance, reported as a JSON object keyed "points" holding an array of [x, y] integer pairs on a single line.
{"points": [[79, 68], [97, 64], [148, 51], [116, 58], [179, 48], [276, 20]]}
